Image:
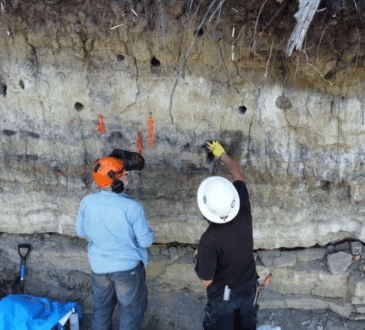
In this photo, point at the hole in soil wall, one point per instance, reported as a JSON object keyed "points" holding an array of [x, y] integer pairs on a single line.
{"points": [[186, 146], [210, 157], [120, 58], [21, 83], [33, 135], [8, 132], [155, 63], [31, 158], [326, 185], [242, 109], [200, 32], [78, 106], [116, 137], [3, 89]]}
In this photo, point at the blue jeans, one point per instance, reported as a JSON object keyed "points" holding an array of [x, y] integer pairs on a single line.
{"points": [[234, 314], [126, 287]]}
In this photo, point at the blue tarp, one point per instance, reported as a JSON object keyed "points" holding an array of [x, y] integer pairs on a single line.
{"points": [[25, 312]]}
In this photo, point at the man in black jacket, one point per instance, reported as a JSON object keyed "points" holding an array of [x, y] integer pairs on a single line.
{"points": [[225, 262]]}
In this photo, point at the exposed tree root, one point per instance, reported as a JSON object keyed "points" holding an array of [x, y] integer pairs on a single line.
{"points": [[187, 57], [228, 72]]}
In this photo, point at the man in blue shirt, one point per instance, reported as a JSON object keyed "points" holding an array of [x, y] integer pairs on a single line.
{"points": [[119, 236]]}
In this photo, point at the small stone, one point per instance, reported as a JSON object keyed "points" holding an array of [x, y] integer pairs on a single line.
{"points": [[283, 102], [181, 251], [360, 310], [345, 246], [154, 250], [173, 253], [189, 248], [330, 248], [286, 259], [339, 262], [165, 251], [310, 254], [267, 257], [356, 248]]}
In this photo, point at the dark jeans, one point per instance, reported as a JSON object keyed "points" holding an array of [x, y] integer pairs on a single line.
{"points": [[126, 287], [234, 314]]}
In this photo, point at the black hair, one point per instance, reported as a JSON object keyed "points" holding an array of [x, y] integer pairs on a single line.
{"points": [[118, 187]]}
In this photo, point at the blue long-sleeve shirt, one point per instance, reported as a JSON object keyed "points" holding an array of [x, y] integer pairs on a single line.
{"points": [[117, 229]]}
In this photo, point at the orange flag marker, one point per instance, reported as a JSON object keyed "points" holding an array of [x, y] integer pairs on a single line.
{"points": [[101, 126], [139, 142], [150, 130]]}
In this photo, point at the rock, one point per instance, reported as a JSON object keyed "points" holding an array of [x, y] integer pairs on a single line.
{"points": [[267, 257], [181, 251], [181, 276], [307, 303], [286, 259], [320, 283], [154, 250], [165, 251], [173, 253], [358, 293], [356, 248], [310, 254], [360, 310], [344, 246], [155, 269], [190, 249], [339, 262], [277, 258], [283, 102]]}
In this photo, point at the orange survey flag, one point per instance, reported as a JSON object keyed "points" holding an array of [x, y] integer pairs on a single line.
{"points": [[139, 142], [101, 126], [150, 131]]}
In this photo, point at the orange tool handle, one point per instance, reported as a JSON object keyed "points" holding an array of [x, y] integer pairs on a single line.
{"points": [[267, 281]]}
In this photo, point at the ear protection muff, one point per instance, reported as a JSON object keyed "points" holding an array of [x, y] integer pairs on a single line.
{"points": [[107, 170]]}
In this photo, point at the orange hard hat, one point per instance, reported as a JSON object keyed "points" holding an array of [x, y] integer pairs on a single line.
{"points": [[106, 170]]}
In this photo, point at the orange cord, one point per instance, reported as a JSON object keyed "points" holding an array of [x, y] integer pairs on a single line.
{"points": [[101, 126], [150, 131], [139, 142]]}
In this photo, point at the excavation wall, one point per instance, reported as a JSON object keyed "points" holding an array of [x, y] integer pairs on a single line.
{"points": [[294, 125]]}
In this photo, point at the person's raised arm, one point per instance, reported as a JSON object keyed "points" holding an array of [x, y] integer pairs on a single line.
{"points": [[231, 165]]}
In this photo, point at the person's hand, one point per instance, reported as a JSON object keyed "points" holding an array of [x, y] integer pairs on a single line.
{"points": [[215, 148]]}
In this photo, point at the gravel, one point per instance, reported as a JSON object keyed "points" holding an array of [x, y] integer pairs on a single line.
{"points": [[184, 310]]}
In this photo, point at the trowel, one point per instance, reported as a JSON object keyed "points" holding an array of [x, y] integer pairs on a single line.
{"points": [[264, 285]]}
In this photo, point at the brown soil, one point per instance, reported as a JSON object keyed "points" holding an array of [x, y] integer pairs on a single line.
{"points": [[332, 60]]}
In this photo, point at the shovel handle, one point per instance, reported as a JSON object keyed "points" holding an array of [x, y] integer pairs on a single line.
{"points": [[24, 246]]}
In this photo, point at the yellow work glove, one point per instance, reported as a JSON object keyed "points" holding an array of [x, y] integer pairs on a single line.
{"points": [[215, 148]]}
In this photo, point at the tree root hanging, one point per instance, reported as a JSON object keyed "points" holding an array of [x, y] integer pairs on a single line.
{"points": [[187, 57], [228, 72]]}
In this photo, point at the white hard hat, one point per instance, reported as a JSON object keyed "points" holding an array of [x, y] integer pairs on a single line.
{"points": [[218, 199]]}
